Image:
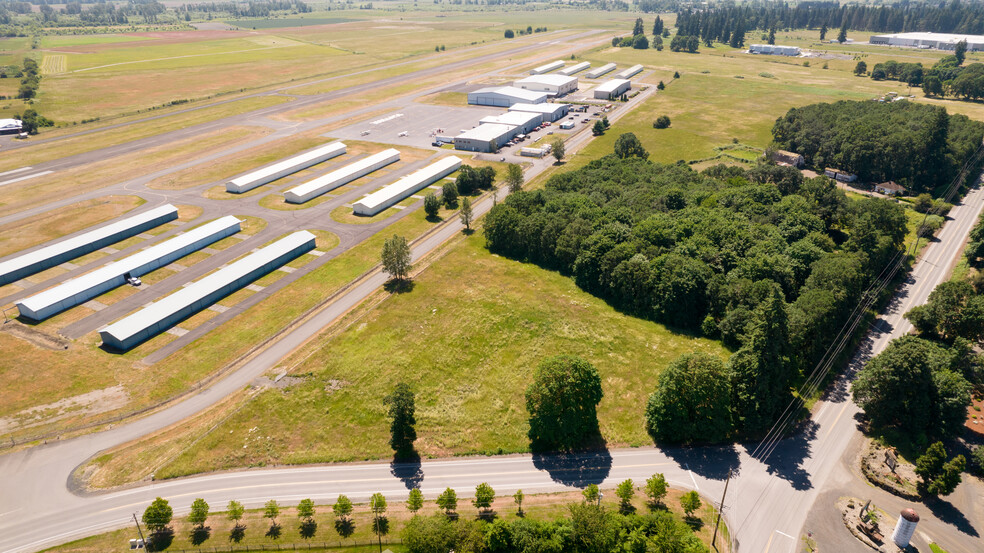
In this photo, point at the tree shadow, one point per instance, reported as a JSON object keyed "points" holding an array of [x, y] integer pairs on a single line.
{"points": [[407, 470], [452, 516], [380, 525], [575, 469], [695, 523], [786, 460], [434, 219], [162, 539], [488, 515], [399, 285], [199, 534], [308, 528], [946, 512], [468, 231], [626, 508], [344, 527], [713, 463], [237, 533], [274, 531]]}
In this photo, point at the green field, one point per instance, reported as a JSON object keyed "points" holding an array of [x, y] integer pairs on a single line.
{"points": [[260, 24]]}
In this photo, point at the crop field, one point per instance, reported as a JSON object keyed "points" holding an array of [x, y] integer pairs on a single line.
{"points": [[263, 24]]}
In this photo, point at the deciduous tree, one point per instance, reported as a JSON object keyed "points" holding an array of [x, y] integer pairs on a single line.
{"points": [[561, 402], [692, 401], [396, 257], [415, 500]]}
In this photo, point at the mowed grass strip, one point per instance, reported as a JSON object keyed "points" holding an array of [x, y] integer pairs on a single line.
{"points": [[467, 337]]}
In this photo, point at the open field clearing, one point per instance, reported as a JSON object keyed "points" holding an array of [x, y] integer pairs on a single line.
{"points": [[535, 507], [19, 196], [467, 337], [53, 64]]}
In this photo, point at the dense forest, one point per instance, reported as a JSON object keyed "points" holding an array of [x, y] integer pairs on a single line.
{"points": [[716, 20], [770, 263], [918, 146]]}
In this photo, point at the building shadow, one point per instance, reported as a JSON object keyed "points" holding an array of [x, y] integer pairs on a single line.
{"points": [[408, 470], [786, 459], [713, 463], [946, 512], [576, 469]]}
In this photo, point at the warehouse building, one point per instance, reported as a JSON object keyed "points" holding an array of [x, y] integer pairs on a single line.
{"points": [[524, 121], [553, 85], [550, 112], [595, 73], [627, 73], [285, 167], [49, 256], [505, 96], [576, 68], [82, 289], [406, 186], [773, 50], [939, 41], [484, 138], [169, 311], [326, 183], [546, 68], [612, 89]]}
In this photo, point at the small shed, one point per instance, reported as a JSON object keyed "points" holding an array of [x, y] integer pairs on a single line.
{"points": [[785, 157], [890, 188], [842, 176]]}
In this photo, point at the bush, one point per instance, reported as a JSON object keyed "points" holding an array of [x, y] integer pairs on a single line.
{"points": [[661, 122]]}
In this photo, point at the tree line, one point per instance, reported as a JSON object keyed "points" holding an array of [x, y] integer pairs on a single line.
{"points": [[767, 261], [947, 77], [919, 146]]}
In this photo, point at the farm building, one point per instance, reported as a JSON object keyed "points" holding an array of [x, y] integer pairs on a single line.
{"points": [[326, 183], [550, 112], [839, 175], [784, 157], [406, 186], [80, 290], [939, 41], [890, 188], [170, 310], [8, 126], [49, 256], [547, 67], [284, 167], [553, 85], [524, 121], [599, 71], [505, 96], [774, 50], [484, 138], [576, 68], [612, 89], [627, 73]]}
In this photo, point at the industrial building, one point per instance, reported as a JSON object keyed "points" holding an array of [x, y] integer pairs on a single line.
{"points": [[49, 256], [597, 72], [553, 85], [82, 289], [939, 41], [550, 112], [8, 126], [285, 167], [627, 73], [546, 68], [169, 311], [326, 183], [484, 138], [406, 186], [524, 121], [612, 89], [576, 68], [505, 96], [774, 50]]}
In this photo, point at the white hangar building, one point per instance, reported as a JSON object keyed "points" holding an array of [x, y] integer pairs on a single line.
{"points": [[550, 112], [484, 138], [523, 121], [612, 89], [553, 85], [505, 96]]}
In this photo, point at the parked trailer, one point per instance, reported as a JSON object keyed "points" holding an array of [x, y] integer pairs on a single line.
{"points": [[326, 183], [169, 311], [38, 260], [82, 289], [406, 186], [532, 152], [284, 167]]}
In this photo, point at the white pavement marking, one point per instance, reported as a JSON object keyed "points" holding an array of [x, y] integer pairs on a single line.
{"points": [[784, 534], [18, 179], [691, 473], [11, 172]]}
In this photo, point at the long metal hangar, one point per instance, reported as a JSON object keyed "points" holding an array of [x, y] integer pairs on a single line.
{"points": [[284, 167], [505, 96], [49, 256], [80, 290], [168, 311], [326, 183], [406, 186]]}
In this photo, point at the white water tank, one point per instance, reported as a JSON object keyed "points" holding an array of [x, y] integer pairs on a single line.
{"points": [[905, 527]]}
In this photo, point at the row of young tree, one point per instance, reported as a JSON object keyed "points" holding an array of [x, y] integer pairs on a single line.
{"points": [[918, 146], [764, 259], [948, 17]]}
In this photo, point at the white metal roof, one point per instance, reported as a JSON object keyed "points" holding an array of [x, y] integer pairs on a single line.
{"points": [[594, 74], [626, 73], [941, 37], [548, 67], [515, 92], [488, 131], [129, 264], [300, 161], [552, 80], [165, 307], [81, 240], [412, 182], [539, 108], [7, 124], [345, 174], [612, 85], [575, 68], [514, 118]]}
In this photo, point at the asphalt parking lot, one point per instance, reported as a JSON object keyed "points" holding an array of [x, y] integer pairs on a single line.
{"points": [[416, 125]]}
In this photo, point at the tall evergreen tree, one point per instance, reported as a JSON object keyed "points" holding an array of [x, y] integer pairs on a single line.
{"points": [[823, 31], [637, 29]]}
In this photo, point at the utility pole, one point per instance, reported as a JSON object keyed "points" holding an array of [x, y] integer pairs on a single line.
{"points": [[145, 542], [720, 508]]}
